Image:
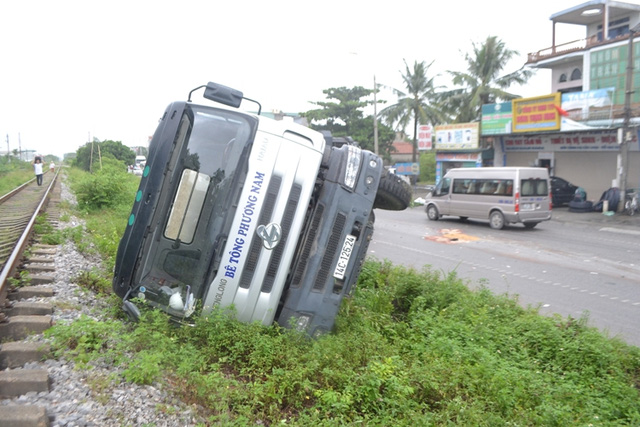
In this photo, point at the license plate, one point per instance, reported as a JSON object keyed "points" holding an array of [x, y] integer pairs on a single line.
{"points": [[527, 207], [345, 255]]}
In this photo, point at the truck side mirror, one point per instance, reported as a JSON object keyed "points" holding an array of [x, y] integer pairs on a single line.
{"points": [[223, 94]]}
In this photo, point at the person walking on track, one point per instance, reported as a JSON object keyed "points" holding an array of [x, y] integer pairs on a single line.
{"points": [[37, 166]]}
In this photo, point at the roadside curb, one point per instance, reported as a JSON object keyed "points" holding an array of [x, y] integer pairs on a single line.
{"points": [[562, 214]]}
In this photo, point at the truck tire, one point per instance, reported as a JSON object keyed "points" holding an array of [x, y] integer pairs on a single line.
{"points": [[393, 193], [581, 206]]}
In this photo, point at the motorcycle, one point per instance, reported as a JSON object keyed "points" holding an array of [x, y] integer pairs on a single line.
{"points": [[631, 203]]}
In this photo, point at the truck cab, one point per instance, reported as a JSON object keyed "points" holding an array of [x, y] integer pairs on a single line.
{"points": [[238, 210]]}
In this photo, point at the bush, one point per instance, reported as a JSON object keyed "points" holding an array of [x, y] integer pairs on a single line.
{"points": [[105, 188], [410, 348], [428, 166]]}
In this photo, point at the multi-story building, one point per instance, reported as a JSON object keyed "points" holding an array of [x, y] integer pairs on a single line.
{"points": [[586, 129]]}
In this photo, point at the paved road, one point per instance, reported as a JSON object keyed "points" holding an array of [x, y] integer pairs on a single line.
{"points": [[575, 264]]}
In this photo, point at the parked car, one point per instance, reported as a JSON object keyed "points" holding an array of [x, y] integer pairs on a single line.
{"points": [[562, 191]]}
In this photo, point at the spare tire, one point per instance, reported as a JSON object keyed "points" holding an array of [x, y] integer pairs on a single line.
{"points": [[581, 206], [393, 193]]}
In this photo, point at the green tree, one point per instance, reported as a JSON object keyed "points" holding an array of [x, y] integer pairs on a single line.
{"points": [[91, 152], [417, 104], [362, 132], [344, 107], [343, 115], [483, 82], [428, 166]]}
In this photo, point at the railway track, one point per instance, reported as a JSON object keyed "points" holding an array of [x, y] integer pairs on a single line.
{"points": [[38, 389], [19, 253]]}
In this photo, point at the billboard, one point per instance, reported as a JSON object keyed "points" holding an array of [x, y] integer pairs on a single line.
{"points": [[496, 118], [590, 109], [407, 168], [425, 137], [596, 140], [458, 136], [541, 113]]}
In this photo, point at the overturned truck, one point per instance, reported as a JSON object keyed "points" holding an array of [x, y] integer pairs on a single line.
{"points": [[239, 210]]}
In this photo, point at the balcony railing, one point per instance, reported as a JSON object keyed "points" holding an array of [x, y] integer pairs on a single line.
{"points": [[573, 46]]}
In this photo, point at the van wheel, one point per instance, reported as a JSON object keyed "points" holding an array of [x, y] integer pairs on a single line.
{"points": [[432, 213], [393, 193], [496, 220]]}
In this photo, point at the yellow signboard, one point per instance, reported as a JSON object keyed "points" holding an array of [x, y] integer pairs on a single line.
{"points": [[540, 113]]}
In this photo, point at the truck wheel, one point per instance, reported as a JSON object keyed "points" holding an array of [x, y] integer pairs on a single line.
{"points": [[393, 193]]}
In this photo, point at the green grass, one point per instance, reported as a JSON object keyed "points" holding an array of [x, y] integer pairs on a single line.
{"points": [[411, 348], [12, 178]]}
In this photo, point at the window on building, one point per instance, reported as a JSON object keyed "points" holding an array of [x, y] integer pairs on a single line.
{"points": [[576, 74], [563, 78], [617, 28]]}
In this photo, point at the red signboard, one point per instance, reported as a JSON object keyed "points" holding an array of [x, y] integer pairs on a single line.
{"points": [[425, 137]]}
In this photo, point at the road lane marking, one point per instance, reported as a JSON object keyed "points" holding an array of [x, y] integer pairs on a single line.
{"points": [[620, 230], [504, 273]]}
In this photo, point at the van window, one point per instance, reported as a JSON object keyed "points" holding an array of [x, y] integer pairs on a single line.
{"points": [[443, 187], [534, 187], [461, 186], [493, 187]]}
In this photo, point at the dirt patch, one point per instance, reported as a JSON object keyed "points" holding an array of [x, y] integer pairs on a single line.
{"points": [[450, 235]]}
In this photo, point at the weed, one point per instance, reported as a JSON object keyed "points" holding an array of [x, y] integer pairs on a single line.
{"points": [[45, 231], [23, 279], [93, 281], [75, 234], [410, 348], [86, 339], [100, 385]]}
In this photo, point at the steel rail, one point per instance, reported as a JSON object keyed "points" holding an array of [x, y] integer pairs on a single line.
{"points": [[12, 262]]}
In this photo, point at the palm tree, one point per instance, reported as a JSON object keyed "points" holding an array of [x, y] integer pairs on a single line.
{"points": [[483, 83], [417, 103]]}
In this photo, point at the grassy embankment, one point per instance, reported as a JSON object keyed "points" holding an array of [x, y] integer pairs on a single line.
{"points": [[13, 174], [411, 348]]}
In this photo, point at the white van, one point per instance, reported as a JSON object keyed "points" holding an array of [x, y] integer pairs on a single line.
{"points": [[503, 195]]}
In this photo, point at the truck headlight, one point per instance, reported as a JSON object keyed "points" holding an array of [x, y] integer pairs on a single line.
{"points": [[353, 166]]}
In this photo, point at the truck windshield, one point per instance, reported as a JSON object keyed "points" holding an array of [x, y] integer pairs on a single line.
{"points": [[209, 166]]}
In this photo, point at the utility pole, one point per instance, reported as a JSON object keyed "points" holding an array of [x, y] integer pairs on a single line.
{"points": [[375, 116], [627, 136], [91, 154], [8, 156]]}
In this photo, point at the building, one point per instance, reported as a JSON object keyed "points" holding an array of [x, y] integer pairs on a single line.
{"points": [[586, 128], [402, 151], [24, 155]]}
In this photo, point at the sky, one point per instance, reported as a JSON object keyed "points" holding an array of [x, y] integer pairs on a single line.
{"points": [[72, 71]]}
